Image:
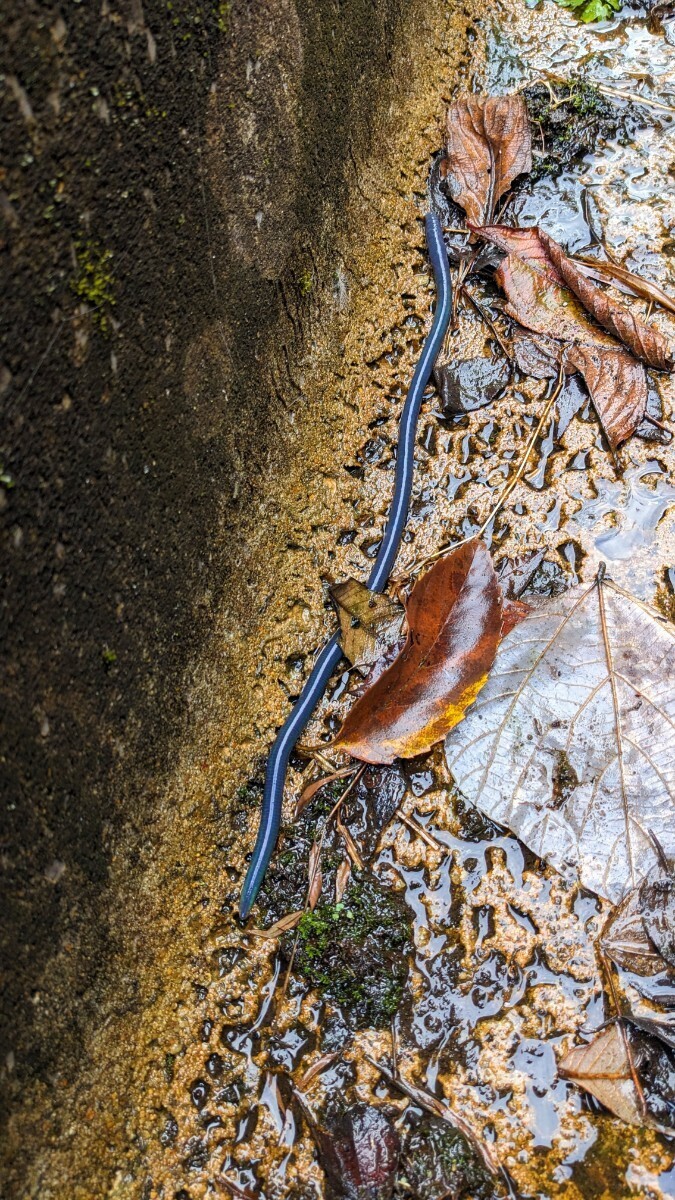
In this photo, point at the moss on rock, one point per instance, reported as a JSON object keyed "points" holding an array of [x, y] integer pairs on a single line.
{"points": [[356, 951]]}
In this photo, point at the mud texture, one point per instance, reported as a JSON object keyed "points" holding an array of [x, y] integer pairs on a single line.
{"points": [[284, 315], [163, 165]]}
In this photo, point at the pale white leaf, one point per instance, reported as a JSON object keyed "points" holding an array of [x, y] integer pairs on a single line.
{"points": [[571, 743]]}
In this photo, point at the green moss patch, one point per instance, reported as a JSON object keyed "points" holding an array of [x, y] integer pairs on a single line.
{"points": [[573, 116], [356, 951]]}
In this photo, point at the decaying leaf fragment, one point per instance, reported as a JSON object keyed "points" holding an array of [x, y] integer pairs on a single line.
{"points": [[454, 617], [488, 144], [610, 272], [603, 1068], [644, 341], [571, 743], [358, 1150], [369, 622], [541, 301]]}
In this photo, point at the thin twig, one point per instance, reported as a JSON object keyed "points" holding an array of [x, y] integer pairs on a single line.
{"points": [[421, 832], [509, 487], [482, 312], [336, 808]]}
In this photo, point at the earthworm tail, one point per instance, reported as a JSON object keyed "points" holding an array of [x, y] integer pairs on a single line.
{"points": [[270, 817]]}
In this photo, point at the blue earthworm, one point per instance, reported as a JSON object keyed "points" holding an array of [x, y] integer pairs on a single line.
{"points": [[270, 817]]}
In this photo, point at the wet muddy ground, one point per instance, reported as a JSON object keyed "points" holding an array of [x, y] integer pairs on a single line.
{"points": [[194, 1082]]}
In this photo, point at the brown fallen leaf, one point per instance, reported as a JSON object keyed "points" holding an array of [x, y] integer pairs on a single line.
{"points": [[358, 1149], [454, 626], [611, 272], [369, 622], [524, 243], [644, 341], [616, 382], [603, 1068], [617, 385], [488, 144]]}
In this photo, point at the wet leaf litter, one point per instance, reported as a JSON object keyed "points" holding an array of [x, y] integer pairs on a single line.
{"points": [[372, 728]]}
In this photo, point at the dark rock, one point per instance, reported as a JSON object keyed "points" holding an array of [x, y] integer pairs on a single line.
{"points": [[473, 383]]}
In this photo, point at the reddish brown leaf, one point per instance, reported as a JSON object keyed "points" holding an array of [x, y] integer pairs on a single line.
{"points": [[524, 243], [454, 620], [644, 341], [618, 388], [359, 1151], [610, 272], [616, 382], [488, 145]]}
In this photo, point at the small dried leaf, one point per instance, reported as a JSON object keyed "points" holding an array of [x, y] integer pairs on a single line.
{"points": [[369, 622], [315, 876], [644, 341], [310, 791], [454, 620], [342, 879], [488, 146], [288, 922], [321, 1064], [603, 1068], [613, 273]]}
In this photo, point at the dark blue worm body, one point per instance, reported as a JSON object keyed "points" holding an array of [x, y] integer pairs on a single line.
{"points": [[270, 817]]}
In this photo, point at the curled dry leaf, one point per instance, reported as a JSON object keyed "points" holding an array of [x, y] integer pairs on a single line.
{"points": [[322, 1063], [603, 1068], [644, 341], [454, 625], [342, 879], [315, 876], [369, 622], [571, 743], [624, 938], [611, 272], [488, 144], [657, 897], [616, 381]]}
